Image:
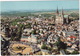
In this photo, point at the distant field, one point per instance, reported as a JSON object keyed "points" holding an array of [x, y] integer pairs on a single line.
{"points": [[18, 13], [13, 14]]}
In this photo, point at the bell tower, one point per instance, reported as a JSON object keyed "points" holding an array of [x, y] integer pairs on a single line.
{"points": [[62, 16], [57, 12]]}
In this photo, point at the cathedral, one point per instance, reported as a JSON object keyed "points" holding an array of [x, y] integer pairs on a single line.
{"points": [[61, 18]]}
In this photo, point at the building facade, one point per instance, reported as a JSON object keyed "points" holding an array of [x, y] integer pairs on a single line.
{"points": [[61, 18]]}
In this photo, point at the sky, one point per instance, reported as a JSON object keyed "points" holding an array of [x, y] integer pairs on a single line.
{"points": [[38, 5]]}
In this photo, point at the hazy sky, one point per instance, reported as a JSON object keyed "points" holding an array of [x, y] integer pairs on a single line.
{"points": [[38, 5]]}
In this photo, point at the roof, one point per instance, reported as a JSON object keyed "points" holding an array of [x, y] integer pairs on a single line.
{"points": [[70, 48], [72, 37], [70, 33], [33, 36], [44, 50], [27, 30], [65, 16]]}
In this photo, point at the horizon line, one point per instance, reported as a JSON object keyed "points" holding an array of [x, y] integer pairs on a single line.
{"points": [[39, 9]]}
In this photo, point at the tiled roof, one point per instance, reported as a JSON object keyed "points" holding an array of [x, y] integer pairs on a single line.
{"points": [[65, 16]]}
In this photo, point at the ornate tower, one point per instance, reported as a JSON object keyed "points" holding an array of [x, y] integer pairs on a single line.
{"points": [[62, 13], [62, 16], [57, 12], [59, 17]]}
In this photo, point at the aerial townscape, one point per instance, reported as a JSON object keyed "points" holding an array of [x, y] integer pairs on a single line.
{"points": [[54, 32]]}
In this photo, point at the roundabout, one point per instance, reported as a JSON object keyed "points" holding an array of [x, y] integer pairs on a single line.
{"points": [[20, 48]]}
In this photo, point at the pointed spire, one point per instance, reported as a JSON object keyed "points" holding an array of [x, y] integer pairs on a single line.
{"points": [[62, 11], [57, 10]]}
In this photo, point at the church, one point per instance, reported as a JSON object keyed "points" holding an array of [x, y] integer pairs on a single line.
{"points": [[61, 18]]}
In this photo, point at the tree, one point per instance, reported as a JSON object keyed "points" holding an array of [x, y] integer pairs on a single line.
{"points": [[19, 32], [13, 33], [44, 46], [75, 52], [74, 14], [34, 31], [61, 45], [49, 48], [7, 31], [28, 25]]}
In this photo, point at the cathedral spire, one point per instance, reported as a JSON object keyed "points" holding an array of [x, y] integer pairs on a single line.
{"points": [[62, 12], [57, 10]]}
